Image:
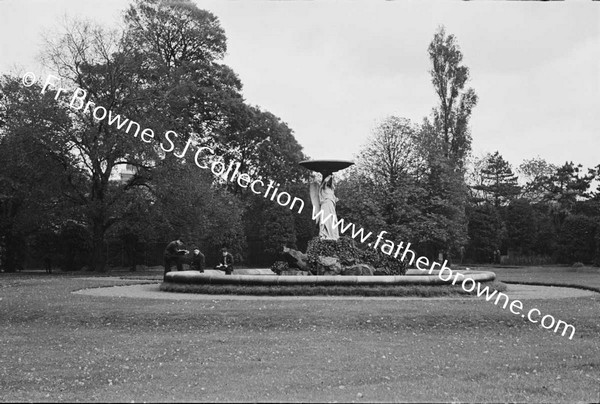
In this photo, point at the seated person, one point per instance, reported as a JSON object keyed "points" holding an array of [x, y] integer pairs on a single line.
{"points": [[174, 253], [197, 260], [226, 262]]}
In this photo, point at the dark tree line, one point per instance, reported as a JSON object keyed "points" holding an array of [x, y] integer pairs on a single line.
{"points": [[551, 215]]}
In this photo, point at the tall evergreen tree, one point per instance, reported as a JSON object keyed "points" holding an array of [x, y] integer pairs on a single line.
{"points": [[498, 183]]}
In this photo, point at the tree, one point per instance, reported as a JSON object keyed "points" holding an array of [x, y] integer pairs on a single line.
{"points": [[186, 203], [178, 47], [565, 187], [521, 225], [97, 61], [382, 190], [535, 172], [392, 154], [32, 172], [162, 72], [486, 232], [449, 78], [445, 196], [594, 173], [577, 240], [497, 181], [448, 141], [200, 97], [264, 147]]}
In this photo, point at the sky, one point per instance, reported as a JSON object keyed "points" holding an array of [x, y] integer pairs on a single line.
{"points": [[333, 69]]}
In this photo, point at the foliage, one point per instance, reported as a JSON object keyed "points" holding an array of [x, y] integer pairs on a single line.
{"points": [[392, 153], [279, 266], [345, 250], [33, 173], [577, 240], [449, 78], [520, 222], [383, 263], [565, 187], [497, 182], [75, 246], [277, 230], [161, 70], [486, 232], [535, 172], [416, 195]]}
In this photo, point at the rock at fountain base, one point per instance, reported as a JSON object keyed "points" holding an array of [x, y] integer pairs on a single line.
{"points": [[296, 259], [359, 270], [328, 266]]}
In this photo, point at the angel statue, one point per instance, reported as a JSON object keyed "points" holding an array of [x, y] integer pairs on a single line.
{"points": [[323, 199]]}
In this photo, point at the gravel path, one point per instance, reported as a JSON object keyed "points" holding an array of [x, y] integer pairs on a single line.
{"points": [[151, 291]]}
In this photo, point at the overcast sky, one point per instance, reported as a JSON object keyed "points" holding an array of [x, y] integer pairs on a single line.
{"points": [[332, 69]]}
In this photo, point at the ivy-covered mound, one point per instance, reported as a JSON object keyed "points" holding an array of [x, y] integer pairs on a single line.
{"points": [[343, 257]]}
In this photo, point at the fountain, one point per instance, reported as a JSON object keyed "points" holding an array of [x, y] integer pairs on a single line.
{"points": [[356, 267]]}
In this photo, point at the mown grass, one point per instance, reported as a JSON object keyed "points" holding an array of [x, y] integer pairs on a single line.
{"points": [[59, 346], [581, 278], [318, 290]]}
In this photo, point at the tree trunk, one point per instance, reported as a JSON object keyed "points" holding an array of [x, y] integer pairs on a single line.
{"points": [[98, 256]]}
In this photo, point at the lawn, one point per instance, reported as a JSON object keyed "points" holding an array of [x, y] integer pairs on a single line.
{"points": [[583, 277], [58, 346]]}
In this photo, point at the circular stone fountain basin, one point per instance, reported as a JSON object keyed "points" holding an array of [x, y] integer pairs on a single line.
{"points": [[413, 277]]}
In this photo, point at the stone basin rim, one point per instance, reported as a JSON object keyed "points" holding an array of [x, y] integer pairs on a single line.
{"points": [[195, 277]]}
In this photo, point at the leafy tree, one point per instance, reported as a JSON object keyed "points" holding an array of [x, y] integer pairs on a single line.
{"points": [[449, 78], [200, 97], [497, 182], [381, 191], [577, 240], [32, 172], [392, 154], [520, 219], [565, 187], [445, 196], [486, 232], [594, 173], [535, 172], [265, 148], [448, 141], [96, 60], [162, 72], [188, 204], [178, 47]]}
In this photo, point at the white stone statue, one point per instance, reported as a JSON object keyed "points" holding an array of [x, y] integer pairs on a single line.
{"points": [[323, 198]]}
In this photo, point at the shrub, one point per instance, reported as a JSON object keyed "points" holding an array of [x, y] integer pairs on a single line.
{"points": [[348, 254], [383, 262], [279, 266], [343, 249]]}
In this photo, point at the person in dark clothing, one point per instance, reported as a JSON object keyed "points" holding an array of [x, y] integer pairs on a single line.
{"points": [[226, 262], [197, 260], [174, 253]]}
